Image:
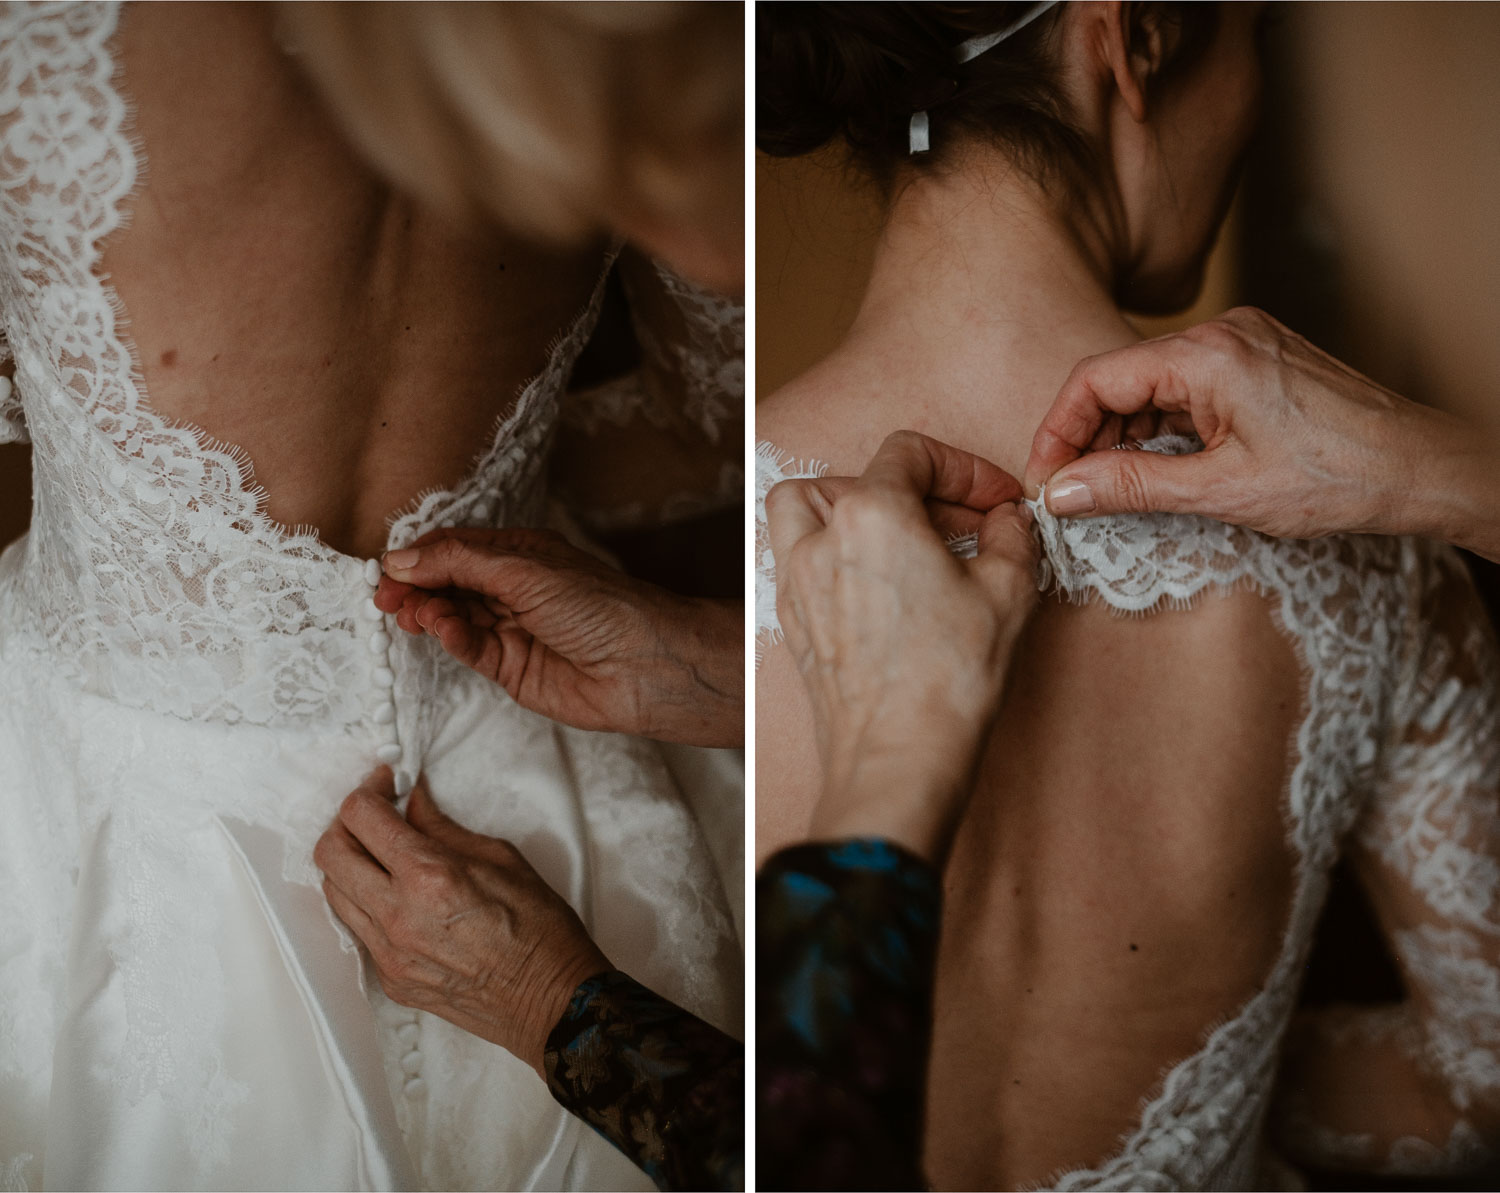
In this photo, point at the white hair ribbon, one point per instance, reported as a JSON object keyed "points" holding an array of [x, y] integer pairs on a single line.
{"points": [[918, 135]]}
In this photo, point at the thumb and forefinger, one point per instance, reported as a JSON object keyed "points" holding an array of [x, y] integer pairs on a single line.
{"points": [[475, 562], [956, 487], [1080, 482]]}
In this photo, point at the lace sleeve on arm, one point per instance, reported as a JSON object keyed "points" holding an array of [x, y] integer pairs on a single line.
{"points": [[692, 370], [771, 468], [683, 405], [12, 417], [1420, 1080]]}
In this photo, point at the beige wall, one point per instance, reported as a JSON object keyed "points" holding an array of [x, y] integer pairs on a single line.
{"points": [[1402, 160]]}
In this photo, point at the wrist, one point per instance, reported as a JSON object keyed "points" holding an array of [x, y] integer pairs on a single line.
{"points": [[700, 699], [547, 1002], [912, 801], [1451, 483]]}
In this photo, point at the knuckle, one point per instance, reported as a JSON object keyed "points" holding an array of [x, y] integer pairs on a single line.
{"points": [[1132, 489], [864, 510], [504, 851], [903, 441], [432, 880]]}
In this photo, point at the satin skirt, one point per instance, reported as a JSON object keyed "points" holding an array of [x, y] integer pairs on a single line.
{"points": [[179, 1009]]}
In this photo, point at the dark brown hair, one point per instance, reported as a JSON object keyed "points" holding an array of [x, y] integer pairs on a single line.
{"points": [[857, 72]]}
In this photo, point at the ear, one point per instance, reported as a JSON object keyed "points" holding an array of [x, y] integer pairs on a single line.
{"points": [[1132, 66]]}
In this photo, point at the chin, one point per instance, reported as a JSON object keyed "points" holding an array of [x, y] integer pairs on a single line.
{"points": [[1166, 293]]}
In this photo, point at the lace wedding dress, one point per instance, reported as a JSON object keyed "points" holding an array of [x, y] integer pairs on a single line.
{"points": [[1397, 757], [186, 693]]}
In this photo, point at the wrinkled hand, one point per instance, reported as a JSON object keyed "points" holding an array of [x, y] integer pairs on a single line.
{"points": [[457, 923], [1297, 444], [572, 638], [903, 647]]}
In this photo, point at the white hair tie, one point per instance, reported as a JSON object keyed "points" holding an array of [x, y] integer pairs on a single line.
{"points": [[919, 131]]}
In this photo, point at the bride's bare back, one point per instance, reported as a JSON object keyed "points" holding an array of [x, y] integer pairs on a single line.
{"points": [[282, 298], [1116, 888]]}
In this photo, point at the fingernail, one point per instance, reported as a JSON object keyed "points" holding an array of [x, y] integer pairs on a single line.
{"points": [[401, 560], [1070, 497]]}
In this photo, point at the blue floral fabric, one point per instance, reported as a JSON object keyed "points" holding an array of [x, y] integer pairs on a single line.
{"points": [[847, 944], [662, 1085]]}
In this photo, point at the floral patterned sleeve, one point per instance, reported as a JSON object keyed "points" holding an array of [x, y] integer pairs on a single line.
{"points": [[662, 1085], [847, 942]]}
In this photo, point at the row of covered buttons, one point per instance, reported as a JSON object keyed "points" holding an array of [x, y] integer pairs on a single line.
{"points": [[409, 1032], [384, 675], [410, 1035]]}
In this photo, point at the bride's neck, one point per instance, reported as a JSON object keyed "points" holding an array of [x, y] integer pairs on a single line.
{"points": [[979, 275]]}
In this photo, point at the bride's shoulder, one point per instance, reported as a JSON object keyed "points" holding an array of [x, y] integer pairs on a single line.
{"points": [[823, 420]]}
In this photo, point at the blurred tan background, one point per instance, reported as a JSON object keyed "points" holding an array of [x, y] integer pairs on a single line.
{"points": [[1366, 219]]}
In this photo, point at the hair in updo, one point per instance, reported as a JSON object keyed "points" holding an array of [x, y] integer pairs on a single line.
{"points": [[857, 72]]}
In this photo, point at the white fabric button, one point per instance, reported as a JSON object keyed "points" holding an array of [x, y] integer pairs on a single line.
{"points": [[408, 1034], [370, 611], [380, 642], [384, 677], [411, 1063], [385, 714], [414, 1088], [390, 753], [404, 784], [372, 572]]}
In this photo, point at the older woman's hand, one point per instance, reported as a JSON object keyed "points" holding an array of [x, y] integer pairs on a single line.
{"points": [[572, 638], [903, 646], [1296, 443], [457, 923]]}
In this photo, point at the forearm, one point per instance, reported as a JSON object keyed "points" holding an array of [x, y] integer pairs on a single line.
{"points": [[1358, 1092], [663, 1086], [847, 946], [698, 696], [1451, 489]]}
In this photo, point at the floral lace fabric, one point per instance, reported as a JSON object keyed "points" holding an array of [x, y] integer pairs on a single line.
{"points": [[689, 388], [187, 689], [154, 571], [1400, 744], [692, 372]]}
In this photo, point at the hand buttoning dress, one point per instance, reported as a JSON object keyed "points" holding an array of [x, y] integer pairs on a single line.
{"points": [[1397, 765], [186, 693]]}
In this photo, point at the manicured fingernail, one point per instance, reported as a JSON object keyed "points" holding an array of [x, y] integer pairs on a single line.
{"points": [[402, 560], [1070, 497]]}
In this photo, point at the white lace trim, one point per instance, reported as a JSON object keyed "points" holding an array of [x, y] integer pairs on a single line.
{"points": [[1348, 606], [153, 569], [772, 466]]}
